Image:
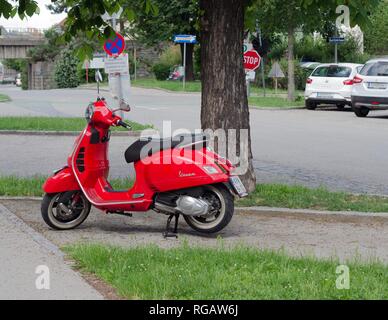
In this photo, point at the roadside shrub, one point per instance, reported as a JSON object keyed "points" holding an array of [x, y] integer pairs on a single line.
{"points": [[66, 70], [349, 52], [301, 75], [161, 71], [170, 58]]}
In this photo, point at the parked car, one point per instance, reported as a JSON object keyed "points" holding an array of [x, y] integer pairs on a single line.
{"points": [[331, 84], [18, 80], [370, 89]]}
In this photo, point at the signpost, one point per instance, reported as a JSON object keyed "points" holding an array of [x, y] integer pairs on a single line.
{"points": [[336, 41], [116, 63], [116, 46], [185, 39], [252, 62], [276, 73]]}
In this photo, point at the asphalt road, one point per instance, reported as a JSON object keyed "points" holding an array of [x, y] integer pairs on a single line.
{"points": [[313, 148]]}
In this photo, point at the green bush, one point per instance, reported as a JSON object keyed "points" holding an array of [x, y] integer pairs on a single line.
{"points": [[170, 58], [66, 70], [161, 71], [301, 75], [349, 52]]}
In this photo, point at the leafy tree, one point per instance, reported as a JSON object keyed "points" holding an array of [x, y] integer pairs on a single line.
{"points": [[224, 98], [224, 95], [376, 40], [48, 50], [305, 15], [173, 17]]}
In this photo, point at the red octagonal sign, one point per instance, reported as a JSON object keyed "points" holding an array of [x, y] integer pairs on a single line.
{"points": [[252, 60]]}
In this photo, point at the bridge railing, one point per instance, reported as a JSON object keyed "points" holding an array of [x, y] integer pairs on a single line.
{"points": [[22, 31]]}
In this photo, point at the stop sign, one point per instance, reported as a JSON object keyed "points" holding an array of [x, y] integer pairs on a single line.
{"points": [[252, 60]]}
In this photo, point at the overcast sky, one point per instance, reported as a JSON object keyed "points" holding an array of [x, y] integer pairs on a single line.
{"points": [[42, 21]]}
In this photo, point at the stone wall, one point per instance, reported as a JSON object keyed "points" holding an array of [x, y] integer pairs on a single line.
{"points": [[41, 75], [146, 57]]}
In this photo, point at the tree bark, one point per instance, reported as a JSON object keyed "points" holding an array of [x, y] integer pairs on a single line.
{"points": [[189, 61], [291, 64], [224, 94]]}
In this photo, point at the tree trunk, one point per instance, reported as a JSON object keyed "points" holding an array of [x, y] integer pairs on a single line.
{"points": [[224, 94], [189, 61], [291, 64]]}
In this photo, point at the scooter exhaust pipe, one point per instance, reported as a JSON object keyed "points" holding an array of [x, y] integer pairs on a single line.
{"points": [[185, 205]]}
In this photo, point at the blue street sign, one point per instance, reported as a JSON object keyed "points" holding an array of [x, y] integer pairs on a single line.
{"points": [[185, 38], [337, 40]]}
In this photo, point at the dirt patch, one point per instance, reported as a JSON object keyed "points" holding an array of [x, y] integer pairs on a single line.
{"points": [[344, 237]]}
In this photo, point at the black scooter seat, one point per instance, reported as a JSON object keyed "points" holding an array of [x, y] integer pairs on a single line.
{"points": [[146, 147]]}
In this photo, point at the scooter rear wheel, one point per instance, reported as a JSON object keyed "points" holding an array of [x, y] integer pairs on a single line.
{"points": [[65, 211], [221, 203]]}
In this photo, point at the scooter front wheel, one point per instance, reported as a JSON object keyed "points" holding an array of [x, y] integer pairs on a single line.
{"points": [[65, 211], [221, 203]]}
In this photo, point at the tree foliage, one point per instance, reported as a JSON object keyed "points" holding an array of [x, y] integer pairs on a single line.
{"points": [[376, 39]]}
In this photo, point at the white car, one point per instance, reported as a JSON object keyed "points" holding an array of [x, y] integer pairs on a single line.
{"points": [[331, 84], [370, 89]]}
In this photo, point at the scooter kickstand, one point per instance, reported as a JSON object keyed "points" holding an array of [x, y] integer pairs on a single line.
{"points": [[174, 234]]}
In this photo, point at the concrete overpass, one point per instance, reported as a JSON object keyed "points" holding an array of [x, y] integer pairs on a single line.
{"points": [[15, 43]]}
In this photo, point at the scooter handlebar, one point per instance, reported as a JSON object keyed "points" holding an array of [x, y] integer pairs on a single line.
{"points": [[124, 125]]}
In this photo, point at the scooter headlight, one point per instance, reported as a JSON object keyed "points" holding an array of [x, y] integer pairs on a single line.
{"points": [[89, 112]]}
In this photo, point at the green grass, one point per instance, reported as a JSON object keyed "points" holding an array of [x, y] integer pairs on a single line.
{"points": [[53, 124], [255, 100], [12, 186], [4, 98], [269, 195], [299, 197], [238, 273], [167, 85], [274, 102]]}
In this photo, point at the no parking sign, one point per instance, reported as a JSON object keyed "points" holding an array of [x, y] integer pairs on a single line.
{"points": [[116, 46]]}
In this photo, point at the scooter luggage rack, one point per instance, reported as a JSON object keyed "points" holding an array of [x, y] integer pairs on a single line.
{"points": [[168, 234]]}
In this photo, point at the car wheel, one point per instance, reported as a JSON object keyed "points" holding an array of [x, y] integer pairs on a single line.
{"points": [[311, 105], [341, 107], [361, 112]]}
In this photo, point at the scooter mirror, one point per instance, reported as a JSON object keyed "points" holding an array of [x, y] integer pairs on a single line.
{"points": [[125, 107]]}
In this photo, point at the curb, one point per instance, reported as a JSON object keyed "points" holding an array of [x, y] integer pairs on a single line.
{"points": [[135, 134], [284, 211], [275, 108], [264, 210]]}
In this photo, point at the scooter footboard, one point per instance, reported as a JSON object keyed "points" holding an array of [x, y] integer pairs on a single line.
{"points": [[61, 182]]}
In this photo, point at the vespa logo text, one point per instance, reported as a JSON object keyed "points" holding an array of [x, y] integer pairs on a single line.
{"points": [[186, 175]]}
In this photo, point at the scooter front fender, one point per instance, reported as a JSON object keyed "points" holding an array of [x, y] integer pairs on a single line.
{"points": [[61, 182]]}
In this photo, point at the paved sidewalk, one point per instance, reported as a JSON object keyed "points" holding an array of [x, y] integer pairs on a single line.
{"points": [[22, 250]]}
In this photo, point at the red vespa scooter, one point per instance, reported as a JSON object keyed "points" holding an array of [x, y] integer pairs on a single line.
{"points": [[177, 176]]}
